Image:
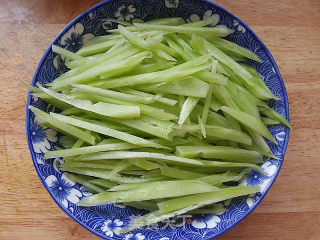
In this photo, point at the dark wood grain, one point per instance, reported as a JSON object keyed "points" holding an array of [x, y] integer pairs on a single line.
{"points": [[291, 31]]}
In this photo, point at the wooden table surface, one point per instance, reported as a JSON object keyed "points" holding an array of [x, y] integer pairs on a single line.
{"points": [[291, 31]]}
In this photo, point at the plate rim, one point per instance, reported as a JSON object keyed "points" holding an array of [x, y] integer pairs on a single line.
{"points": [[72, 23]]}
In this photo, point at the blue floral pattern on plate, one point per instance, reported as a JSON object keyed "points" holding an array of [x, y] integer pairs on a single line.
{"points": [[105, 220]]}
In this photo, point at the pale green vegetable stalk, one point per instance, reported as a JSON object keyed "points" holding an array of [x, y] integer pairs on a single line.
{"points": [[219, 152], [103, 183], [122, 52], [167, 21], [148, 191], [180, 174], [224, 44], [202, 127], [120, 166], [171, 74], [89, 149], [131, 155], [144, 164], [228, 134], [103, 68], [187, 108], [144, 109], [249, 121], [101, 173], [85, 183], [190, 86], [211, 77], [206, 198], [182, 205], [106, 131], [225, 59], [269, 121], [97, 48], [213, 209], [157, 98], [271, 113], [65, 53], [46, 119], [207, 105], [105, 109], [113, 94], [219, 31]]}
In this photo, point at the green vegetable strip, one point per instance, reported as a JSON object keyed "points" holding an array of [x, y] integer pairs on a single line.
{"points": [[214, 209], [164, 48], [231, 165], [215, 105], [228, 134], [89, 149], [259, 145], [201, 23], [122, 165], [202, 127], [144, 164], [180, 174], [106, 175], [71, 111], [144, 109], [105, 109], [184, 55], [120, 53], [45, 119], [260, 90], [223, 45], [148, 155], [187, 108], [144, 124], [268, 121], [174, 73], [211, 77], [216, 31], [103, 68], [152, 126], [84, 182], [219, 152], [206, 198], [97, 48], [86, 165], [158, 98], [114, 94], [133, 186], [103, 183], [151, 67], [106, 131], [198, 45], [249, 121], [190, 86], [228, 176], [191, 203], [196, 141], [65, 53], [146, 205], [269, 112], [233, 65], [154, 190], [132, 37], [207, 105], [167, 21]]}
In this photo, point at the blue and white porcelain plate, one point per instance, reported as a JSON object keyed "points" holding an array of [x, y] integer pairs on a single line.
{"points": [[104, 220]]}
